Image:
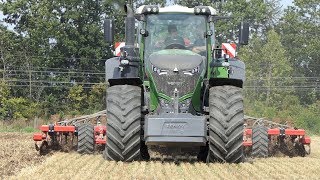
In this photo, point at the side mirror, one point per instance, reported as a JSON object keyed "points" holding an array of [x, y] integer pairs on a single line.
{"points": [[243, 33], [108, 26]]}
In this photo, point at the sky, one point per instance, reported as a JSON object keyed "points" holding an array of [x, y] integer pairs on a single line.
{"points": [[286, 3]]}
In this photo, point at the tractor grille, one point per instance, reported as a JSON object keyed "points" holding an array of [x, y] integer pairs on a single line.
{"points": [[168, 82]]}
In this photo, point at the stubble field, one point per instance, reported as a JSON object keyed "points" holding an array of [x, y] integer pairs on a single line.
{"points": [[19, 160]]}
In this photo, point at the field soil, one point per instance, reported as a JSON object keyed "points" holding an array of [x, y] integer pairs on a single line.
{"points": [[19, 159], [17, 151]]}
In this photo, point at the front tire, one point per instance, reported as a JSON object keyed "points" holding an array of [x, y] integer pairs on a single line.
{"points": [[226, 124], [123, 123]]}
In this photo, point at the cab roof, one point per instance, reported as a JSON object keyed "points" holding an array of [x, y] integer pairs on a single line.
{"points": [[176, 9]]}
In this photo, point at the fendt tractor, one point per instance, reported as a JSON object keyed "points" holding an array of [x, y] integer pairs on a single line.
{"points": [[172, 88], [170, 93]]}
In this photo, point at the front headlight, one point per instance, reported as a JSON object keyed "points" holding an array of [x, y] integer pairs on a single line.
{"points": [[192, 71], [158, 70]]}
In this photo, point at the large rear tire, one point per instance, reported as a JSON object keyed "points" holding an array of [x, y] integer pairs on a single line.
{"points": [[260, 141], [124, 123], [226, 124], [85, 139]]}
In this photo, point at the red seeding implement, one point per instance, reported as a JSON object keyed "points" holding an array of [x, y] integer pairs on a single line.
{"points": [[85, 134], [263, 138]]}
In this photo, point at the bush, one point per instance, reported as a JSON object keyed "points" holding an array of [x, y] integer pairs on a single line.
{"points": [[309, 118], [306, 117], [97, 98], [77, 99]]}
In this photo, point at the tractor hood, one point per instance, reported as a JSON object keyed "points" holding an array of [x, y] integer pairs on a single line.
{"points": [[175, 70], [170, 59]]}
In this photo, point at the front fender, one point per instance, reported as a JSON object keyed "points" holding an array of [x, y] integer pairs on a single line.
{"points": [[223, 74], [115, 77], [110, 66]]}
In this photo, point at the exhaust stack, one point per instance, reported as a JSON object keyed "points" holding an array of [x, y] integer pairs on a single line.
{"points": [[129, 26], [128, 70]]}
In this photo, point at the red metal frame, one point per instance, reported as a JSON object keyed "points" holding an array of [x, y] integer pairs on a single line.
{"points": [[58, 128], [291, 132], [247, 143], [100, 129], [39, 137], [100, 132], [100, 141], [276, 132], [306, 140]]}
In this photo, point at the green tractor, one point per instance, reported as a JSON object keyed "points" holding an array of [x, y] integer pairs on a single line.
{"points": [[171, 88]]}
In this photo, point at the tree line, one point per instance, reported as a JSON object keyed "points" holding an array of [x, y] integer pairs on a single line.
{"points": [[282, 58]]}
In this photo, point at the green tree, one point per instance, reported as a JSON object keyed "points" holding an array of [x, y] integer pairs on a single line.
{"points": [[77, 98], [71, 30], [300, 29], [268, 67], [261, 15], [97, 97], [57, 34], [4, 95]]}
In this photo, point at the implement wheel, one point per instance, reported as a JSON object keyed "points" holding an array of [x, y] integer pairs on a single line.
{"points": [[260, 141], [226, 124], [123, 124], [85, 139]]}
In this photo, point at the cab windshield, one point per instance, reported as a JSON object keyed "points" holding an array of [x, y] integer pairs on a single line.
{"points": [[175, 31]]}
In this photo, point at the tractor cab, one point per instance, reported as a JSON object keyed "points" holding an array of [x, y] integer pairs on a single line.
{"points": [[175, 27], [174, 31], [175, 46]]}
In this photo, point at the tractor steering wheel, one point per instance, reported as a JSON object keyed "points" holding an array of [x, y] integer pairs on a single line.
{"points": [[175, 46]]}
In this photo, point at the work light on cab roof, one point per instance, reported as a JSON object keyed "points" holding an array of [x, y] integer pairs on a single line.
{"points": [[197, 10]]}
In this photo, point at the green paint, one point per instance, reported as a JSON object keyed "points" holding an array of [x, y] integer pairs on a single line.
{"points": [[146, 83], [181, 99], [154, 96], [185, 97], [141, 53], [220, 72], [209, 53], [196, 101], [164, 96]]}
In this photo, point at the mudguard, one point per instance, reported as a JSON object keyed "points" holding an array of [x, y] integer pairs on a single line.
{"points": [[234, 74], [115, 77], [111, 65], [237, 69]]}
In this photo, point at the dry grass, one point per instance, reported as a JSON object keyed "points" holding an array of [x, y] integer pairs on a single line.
{"points": [[16, 151], [75, 166]]}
